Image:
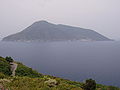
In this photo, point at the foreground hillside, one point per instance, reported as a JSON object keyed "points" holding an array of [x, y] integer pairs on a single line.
{"points": [[26, 78], [45, 31]]}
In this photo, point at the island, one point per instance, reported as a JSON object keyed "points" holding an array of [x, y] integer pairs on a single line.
{"points": [[45, 31]]}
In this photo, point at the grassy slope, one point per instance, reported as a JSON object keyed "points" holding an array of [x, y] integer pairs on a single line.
{"points": [[4, 67], [28, 79]]}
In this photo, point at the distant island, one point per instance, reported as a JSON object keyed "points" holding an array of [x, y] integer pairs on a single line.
{"points": [[45, 31]]}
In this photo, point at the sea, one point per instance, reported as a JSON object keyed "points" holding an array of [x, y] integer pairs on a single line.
{"points": [[73, 60]]}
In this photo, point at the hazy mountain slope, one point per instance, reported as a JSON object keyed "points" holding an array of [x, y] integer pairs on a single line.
{"points": [[45, 31]]}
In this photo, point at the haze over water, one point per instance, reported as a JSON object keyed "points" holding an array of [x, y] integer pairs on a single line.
{"points": [[70, 60]]}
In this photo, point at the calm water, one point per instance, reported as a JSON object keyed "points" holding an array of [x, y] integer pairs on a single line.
{"points": [[71, 60]]}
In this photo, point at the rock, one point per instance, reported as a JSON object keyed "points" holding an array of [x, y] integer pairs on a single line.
{"points": [[51, 82]]}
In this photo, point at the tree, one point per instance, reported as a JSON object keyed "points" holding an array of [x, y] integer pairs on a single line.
{"points": [[9, 59], [89, 85]]}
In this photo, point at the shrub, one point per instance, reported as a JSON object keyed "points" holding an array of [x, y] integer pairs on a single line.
{"points": [[23, 70], [113, 88], [9, 59], [2, 75], [89, 85], [5, 67]]}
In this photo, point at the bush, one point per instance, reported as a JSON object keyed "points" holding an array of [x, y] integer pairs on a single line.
{"points": [[9, 59], [23, 70], [5, 67], [89, 85], [113, 88], [2, 75]]}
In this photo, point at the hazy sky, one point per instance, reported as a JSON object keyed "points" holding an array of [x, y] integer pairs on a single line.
{"points": [[102, 16]]}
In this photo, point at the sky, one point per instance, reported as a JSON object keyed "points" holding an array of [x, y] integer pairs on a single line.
{"points": [[102, 16]]}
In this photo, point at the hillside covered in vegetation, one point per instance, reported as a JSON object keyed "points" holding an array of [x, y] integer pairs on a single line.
{"points": [[28, 79]]}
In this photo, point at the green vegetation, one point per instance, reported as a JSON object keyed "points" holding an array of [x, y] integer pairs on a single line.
{"points": [[9, 59], [2, 75], [4, 67], [89, 85], [23, 70], [28, 79]]}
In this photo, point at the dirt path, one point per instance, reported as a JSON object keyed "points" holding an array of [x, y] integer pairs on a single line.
{"points": [[13, 68]]}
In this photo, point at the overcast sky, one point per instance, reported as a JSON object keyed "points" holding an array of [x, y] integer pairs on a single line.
{"points": [[102, 16]]}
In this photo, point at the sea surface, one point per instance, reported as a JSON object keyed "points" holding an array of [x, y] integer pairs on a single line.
{"points": [[70, 60]]}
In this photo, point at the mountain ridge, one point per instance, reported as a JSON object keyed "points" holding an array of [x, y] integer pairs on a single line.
{"points": [[45, 31]]}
